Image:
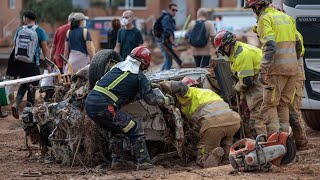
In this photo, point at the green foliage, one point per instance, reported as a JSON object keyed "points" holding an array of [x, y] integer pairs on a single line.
{"points": [[51, 11]]}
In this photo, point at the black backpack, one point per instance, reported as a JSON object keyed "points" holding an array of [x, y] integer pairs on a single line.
{"points": [[157, 28], [198, 35]]}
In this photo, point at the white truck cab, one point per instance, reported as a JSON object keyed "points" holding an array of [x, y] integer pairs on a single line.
{"points": [[306, 13]]}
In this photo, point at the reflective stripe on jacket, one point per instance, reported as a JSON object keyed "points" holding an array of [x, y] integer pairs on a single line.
{"points": [[195, 98], [203, 106], [245, 60], [277, 34]]}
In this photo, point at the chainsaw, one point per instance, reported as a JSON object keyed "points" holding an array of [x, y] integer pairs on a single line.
{"points": [[260, 154]]}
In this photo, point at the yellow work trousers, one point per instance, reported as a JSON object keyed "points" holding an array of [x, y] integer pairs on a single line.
{"points": [[295, 117], [276, 100], [254, 98]]}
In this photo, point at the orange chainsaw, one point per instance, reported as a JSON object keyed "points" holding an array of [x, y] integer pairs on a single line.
{"points": [[260, 154]]}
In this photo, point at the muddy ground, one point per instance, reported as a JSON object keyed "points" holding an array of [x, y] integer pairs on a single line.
{"points": [[14, 161]]}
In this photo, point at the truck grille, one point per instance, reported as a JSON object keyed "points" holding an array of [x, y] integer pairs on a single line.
{"points": [[309, 27]]}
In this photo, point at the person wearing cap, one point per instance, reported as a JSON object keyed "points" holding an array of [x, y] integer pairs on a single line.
{"points": [[24, 69], [58, 43], [78, 49], [216, 122], [123, 84]]}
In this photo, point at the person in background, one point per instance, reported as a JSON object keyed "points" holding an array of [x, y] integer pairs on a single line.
{"points": [[113, 33], [129, 37], [78, 49], [58, 43], [201, 54], [169, 26], [25, 69]]}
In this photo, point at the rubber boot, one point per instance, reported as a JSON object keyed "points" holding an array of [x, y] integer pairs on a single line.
{"points": [[15, 106], [116, 148], [212, 159], [299, 132], [140, 151]]}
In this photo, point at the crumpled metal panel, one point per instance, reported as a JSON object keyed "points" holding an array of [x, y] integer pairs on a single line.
{"points": [[177, 74], [151, 117]]}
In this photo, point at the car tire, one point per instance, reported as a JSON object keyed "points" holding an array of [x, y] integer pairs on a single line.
{"points": [[99, 65], [311, 118]]}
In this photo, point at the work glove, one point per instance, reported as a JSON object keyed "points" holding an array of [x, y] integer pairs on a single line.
{"points": [[168, 100], [166, 86], [240, 87], [263, 78]]}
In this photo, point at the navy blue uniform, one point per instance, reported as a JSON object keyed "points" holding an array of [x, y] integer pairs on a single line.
{"points": [[106, 113]]}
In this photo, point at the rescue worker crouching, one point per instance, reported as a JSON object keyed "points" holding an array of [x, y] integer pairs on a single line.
{"points": [[245, 63], [279, 66], [124, 83], [207, 110]]}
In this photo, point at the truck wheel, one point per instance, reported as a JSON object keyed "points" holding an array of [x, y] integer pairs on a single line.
{"points": [[311, 117], [100, 65]]}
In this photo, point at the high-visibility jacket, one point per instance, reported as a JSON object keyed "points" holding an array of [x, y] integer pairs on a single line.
{"points": [[203, 105], [277, 34], [245, 61]]}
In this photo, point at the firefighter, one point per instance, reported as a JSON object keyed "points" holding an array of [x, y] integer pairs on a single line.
{"points": [[245, 63], [279, 65], [207, 110], [295, 117], [124, 83]]}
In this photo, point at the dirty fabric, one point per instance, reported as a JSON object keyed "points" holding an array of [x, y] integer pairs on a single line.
{"points": [[217, 137], [295, 117], [77, 60], [276, 99]]}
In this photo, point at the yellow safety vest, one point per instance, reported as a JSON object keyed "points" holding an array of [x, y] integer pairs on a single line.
{"points": [[245, 60], [274, 25], [196, 98]]}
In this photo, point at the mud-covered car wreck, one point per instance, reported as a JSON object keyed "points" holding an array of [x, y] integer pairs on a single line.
{"points": [[67, 135]]}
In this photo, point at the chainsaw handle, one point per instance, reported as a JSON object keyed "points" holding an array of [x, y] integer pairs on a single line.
{"points": [[259, 137]]}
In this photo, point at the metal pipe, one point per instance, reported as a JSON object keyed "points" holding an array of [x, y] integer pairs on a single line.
{"points": [[55, 72]]}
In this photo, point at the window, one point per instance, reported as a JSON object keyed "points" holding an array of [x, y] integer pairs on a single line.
{"points": [[133, 4], [12, 4]]}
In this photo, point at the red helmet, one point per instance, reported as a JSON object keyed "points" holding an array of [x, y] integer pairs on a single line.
{"points": [[250, 3], [222, 39], [189, 81], [141, 54], [276, 6]]}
